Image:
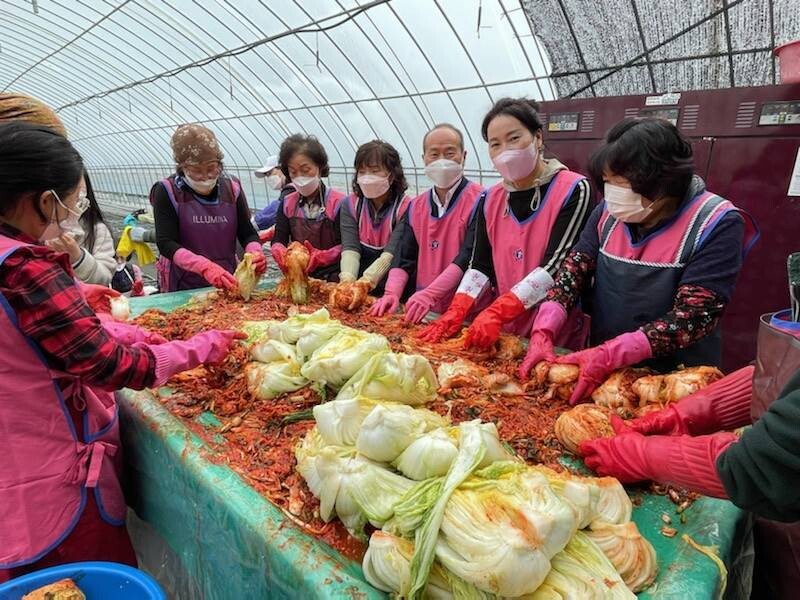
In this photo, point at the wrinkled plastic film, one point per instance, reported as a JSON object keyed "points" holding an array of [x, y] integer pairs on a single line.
{"points": [[231, 541]]}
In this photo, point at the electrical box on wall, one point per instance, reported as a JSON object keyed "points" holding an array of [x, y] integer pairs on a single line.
{"points": [[746, 145]]}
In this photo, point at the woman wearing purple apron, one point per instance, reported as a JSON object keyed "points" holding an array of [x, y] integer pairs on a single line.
{"points": [[369, 217], [432, 255], [658, 258], [200, 215], [60, 496], [690, 445], [309, 215], [524, 229]]}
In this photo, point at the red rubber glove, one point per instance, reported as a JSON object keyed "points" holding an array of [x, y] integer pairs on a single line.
{"points": [[98, 297], [597, 363], [278, 252], [321, 258], [448, 324], [725, 404], [207, 269], [683, 461], [423, 301], [548, 322], [485, 329], [137, 289], [256, 250], [209, 347], [392, 291], [266, 235]]}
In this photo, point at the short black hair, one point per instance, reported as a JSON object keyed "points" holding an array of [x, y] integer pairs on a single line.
{"points": [[452, 128], [381, 154], [33, 160], [309, 145], [650, 153], [524, 110]]}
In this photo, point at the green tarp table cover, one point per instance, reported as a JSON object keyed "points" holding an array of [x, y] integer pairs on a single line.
{"points": [[236, 544]]}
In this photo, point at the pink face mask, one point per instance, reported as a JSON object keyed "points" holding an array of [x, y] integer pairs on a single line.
{"points": [[515, 164], [373, 186]]}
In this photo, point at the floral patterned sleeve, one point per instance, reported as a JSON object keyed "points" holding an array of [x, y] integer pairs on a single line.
{"points": [[694, 315], [572, 279]]}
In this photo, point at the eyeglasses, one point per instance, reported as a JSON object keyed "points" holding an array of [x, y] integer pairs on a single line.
{"points": [[81, 204]]}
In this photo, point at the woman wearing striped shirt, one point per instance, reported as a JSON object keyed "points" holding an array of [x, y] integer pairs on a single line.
{"points": [[525, 226]]}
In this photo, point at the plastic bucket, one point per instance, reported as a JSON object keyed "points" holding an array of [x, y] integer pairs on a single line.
{"points": [[782, 321], [97, 580], [789, 57]]}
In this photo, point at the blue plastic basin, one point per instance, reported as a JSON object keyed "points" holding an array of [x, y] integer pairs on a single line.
{"points": [[97, 580]]}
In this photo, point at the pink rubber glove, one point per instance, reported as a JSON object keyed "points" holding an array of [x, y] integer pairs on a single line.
{"points": [[598, 363], [450, 321], [259, 260], [278, 252], [207, 347], [421, 303], [321, 258], [683, 461], [485, 329], [208, 270], [725, 404], [128, 334], [548, 322], [392, 292]]}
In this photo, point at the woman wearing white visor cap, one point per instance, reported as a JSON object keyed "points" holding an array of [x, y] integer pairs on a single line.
{"points": [[277, 181]]}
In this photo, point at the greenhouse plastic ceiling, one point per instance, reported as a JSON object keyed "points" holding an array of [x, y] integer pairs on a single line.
{"points": [[124, 73]]}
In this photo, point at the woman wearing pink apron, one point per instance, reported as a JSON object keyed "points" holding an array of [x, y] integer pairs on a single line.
{"points": [[60, 497], [431, 249], [524, 229], [690, 445], [369, 217], [200, 215], [311, 214], [658, 259]]}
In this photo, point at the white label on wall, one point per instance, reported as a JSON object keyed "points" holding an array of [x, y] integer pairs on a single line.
{"points": [[794, 181], [662, 100]]}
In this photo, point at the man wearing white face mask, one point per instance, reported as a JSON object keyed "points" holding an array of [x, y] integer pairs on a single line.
{"points": [[369, 219], [200, 214], [431, 238], [276, 181], [659, 257], [524, 229]]}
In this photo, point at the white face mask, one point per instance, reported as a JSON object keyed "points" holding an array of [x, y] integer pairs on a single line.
{"points": [[201, 187], [275, 182], [373, 186], [444, 173], [71, 224], [306, 185], [625, 204]]}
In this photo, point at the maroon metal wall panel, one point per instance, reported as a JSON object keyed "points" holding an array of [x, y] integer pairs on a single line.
{"points": [[748, 163]]}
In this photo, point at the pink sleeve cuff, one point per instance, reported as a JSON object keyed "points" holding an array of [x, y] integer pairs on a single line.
{"points": [[254, 248], [550, 317], [396, 282]]}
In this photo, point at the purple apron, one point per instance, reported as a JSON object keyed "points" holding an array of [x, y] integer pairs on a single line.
{"points": [[636, 282], [322, 232], [206, 228]]}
